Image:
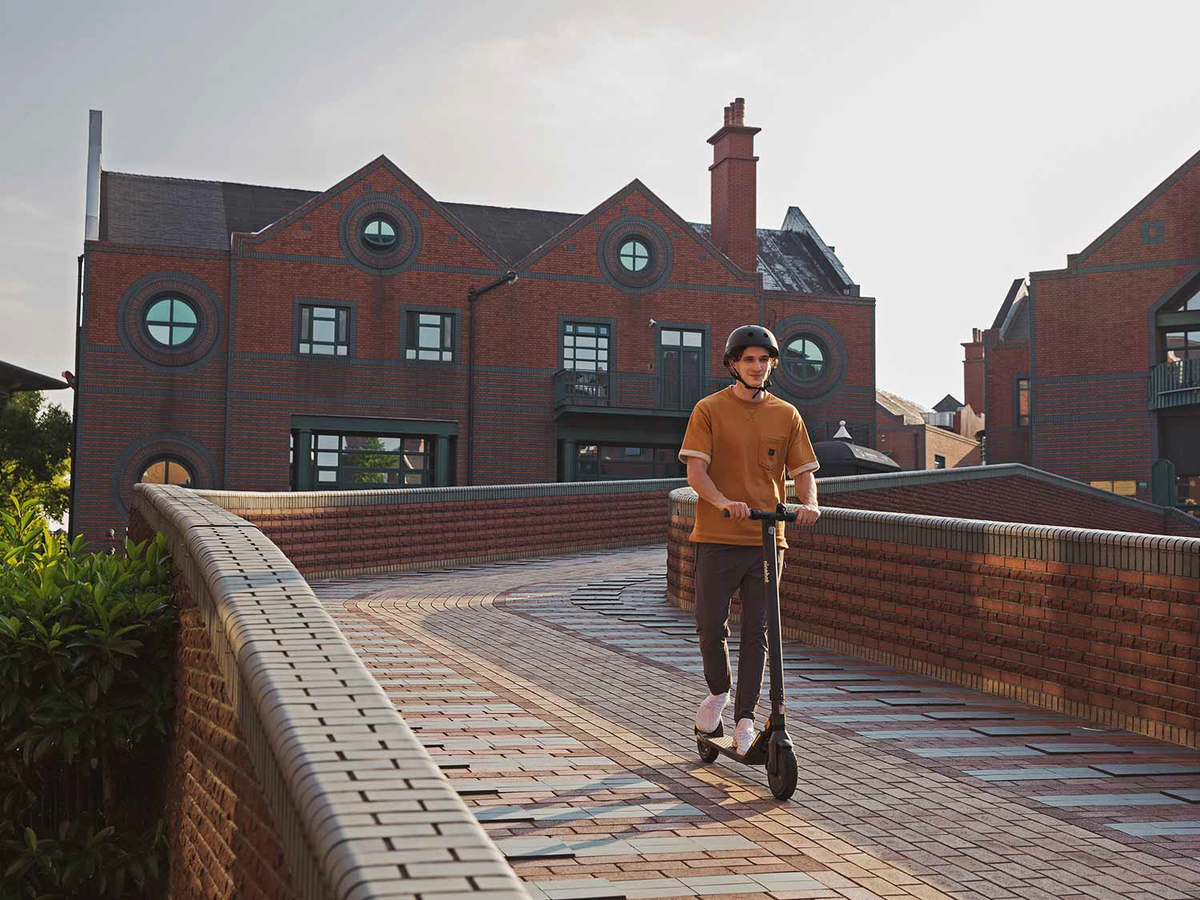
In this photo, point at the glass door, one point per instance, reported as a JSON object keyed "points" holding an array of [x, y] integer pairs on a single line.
{"points": [[681, 367]]}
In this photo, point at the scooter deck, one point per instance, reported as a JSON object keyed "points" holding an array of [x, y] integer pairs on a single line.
{"points": [[755, 756]]}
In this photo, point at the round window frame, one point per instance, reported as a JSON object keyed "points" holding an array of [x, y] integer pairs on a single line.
{"points": [[836, 360], [647, 246], [654, 274], [397, 233], [401, 256], [147, 290], [168, 458], [197, 329], [786, 365]]}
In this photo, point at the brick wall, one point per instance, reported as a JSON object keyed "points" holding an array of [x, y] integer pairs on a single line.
{"points": [[1008, 493], [376, 531], [223, 840], [278, 725], [1070, 620]]}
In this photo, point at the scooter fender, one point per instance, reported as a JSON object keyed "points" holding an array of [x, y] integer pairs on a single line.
{"points": [[779, 740]]}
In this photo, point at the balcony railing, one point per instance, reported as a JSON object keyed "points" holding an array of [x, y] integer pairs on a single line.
{"points": [[1175, 384], [620, 391]]}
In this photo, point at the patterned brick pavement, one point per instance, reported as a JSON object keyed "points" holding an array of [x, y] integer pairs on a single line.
{"points": [[557, 694]]}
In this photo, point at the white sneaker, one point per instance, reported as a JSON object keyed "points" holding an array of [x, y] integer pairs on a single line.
{"points": [[743, 736], [708, 716]]}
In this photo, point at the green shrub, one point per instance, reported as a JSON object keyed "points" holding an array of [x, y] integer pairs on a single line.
{"points": [[85, 706]]}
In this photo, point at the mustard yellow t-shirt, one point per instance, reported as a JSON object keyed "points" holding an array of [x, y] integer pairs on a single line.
{"points": [[747, 445]]}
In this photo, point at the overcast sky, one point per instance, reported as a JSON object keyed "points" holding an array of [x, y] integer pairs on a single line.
{"points": [[944, 148]]}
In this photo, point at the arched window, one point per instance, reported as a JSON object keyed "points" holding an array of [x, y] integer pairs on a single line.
{"points": [[167, 471]]}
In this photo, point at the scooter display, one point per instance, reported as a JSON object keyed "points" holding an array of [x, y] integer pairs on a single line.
{"points": [[772, 746]]}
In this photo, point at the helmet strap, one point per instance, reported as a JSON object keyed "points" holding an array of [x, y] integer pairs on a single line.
{"points": [[757, 390]]}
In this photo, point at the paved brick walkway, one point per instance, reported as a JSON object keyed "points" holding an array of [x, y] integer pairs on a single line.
{"points": [[558, 695]]}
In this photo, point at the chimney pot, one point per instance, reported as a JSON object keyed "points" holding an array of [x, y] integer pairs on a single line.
{"points": [[739, 111]]}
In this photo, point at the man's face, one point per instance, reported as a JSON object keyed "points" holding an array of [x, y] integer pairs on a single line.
{"points": [[754, 366]]}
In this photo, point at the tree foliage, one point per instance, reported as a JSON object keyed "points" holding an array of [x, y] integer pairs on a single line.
{"points": [[35, 452]]}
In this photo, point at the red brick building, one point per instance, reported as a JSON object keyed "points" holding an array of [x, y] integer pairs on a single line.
{"points": [[920, 438], [256, 338], [1093, 370]]}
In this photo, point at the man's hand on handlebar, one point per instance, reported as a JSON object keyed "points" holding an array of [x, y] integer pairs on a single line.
{"points": [[736, 510], [807, 514]]}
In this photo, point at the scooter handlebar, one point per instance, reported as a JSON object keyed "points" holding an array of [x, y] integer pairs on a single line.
{"points": [[780, 514]]}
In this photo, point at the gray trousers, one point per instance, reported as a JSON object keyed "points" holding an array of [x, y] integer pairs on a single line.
{"points": [[720, 570]]}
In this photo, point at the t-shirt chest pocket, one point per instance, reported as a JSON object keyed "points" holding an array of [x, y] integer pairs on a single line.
{"points": [[770, 454]]}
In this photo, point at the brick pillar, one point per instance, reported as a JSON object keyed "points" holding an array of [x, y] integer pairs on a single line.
{"points": [[734, 188]]}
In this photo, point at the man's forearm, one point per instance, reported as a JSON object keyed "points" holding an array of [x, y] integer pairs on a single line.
{"points": [[806, 489], [702, 484]]}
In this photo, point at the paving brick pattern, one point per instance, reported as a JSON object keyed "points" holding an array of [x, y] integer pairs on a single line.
{"points": [[565, 724]]}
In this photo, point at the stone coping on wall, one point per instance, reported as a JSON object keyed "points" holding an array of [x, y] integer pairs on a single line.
{"points": [[270, 500], [884, 480], [360, 808], [1149, 553]]}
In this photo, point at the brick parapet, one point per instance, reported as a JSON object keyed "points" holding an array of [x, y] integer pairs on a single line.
{"points": [[1011, 492], [1102, 625], [280, 723], [326, 533]]}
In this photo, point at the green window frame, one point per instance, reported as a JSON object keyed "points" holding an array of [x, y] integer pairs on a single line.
{"points": [[347, 461], [805, 358], [429, 336], [324, 331], [634, 254], [586, 346], [171, 321], [380, 234]]}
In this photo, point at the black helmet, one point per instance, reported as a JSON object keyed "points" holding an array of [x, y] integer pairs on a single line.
{"points": [[750, 336]]}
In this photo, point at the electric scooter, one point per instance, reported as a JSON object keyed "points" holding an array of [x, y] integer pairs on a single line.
{"points": [[772, 746]]}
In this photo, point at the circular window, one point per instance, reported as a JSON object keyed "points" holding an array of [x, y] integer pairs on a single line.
{"points": [[167, 471], [379, 234], [804, 358], [634, 255], [171, 321]]}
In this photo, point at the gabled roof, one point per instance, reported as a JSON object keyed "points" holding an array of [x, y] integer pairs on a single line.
{"points": [[948, 404], [913, 413], [1012, 320], [183, 212]]}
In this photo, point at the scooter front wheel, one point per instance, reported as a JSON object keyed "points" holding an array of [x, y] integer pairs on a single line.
{"points": [[783, 779]]}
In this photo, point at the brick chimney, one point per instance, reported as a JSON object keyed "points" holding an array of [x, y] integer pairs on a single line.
{"points": [[734, 188], [973, 371]]}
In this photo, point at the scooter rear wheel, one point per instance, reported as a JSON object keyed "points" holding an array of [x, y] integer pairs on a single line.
{"points": [[783, 780], [708, 753]]}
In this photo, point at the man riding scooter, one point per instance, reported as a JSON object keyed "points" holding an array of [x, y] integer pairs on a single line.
{"points": [[738, 444]]}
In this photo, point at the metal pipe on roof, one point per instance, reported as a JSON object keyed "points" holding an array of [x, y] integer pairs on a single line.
{"points": [[91, 221]]}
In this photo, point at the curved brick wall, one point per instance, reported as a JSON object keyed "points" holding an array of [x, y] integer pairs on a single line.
{"points": [[1004, 493], [1099, 624], [293, 776], [328, 533]]}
